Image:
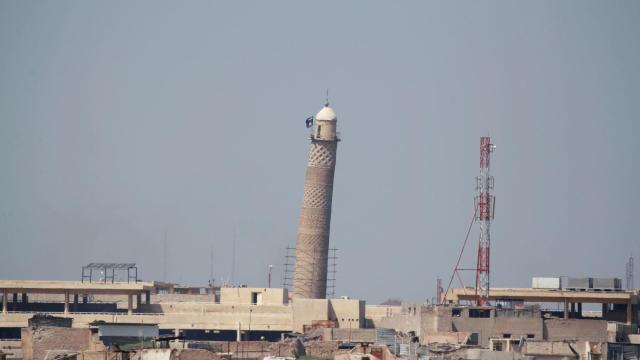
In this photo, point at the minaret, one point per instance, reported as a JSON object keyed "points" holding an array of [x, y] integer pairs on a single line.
{"points": [[312, 246]]}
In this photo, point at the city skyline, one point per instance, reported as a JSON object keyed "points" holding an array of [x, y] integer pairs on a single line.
{"points": [[122, 122]]}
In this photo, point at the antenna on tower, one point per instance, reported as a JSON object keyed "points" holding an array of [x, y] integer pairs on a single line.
{"points": [[485, 204], [483, 214], [326, 103]]}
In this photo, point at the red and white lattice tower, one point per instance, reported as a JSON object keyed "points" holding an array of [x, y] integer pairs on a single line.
{"points": [[485, 206]]}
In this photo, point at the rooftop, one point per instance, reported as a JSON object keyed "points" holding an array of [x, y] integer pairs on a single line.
{"points": [[547, 295], [57, 286]]}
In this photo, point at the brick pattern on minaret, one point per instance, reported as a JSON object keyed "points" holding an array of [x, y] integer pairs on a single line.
{"points": [[312, 246]]}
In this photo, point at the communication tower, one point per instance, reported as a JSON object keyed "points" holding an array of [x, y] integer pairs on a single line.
{"points": [[485, 205]]}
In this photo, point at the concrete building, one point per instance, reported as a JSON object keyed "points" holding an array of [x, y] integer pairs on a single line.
{"points": [[77, 289], [312, 245], [253, 296], [514, 329], [519, 328], [247, 313], [513, 332], [623, 305]]}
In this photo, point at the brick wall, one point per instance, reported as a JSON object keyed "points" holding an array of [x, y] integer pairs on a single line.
{"points": [[37, 342]]}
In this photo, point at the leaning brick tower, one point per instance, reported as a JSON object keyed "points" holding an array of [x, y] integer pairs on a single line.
{"points": [[312, 245]]}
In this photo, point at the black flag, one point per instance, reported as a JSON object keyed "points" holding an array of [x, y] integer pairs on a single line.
{"points": [[309, 122]]}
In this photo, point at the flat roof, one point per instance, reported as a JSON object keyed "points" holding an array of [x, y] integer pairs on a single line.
{"points": [[547, 295], [122, 324], [75, 287]]}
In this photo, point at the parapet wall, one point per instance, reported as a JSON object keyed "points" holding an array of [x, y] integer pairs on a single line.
{"points": [[487, 328], [374, 314], [575, 330], [423, 319]]}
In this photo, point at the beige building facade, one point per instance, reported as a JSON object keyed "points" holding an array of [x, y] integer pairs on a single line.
{"points": [[238, 308]]}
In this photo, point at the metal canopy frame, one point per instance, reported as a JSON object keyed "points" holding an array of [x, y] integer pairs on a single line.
{"points": [[130, 268]]}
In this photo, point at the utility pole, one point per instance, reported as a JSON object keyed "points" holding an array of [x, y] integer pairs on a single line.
{"points": [[249, 329], [233, 260], [211, 266], [164, 259]]}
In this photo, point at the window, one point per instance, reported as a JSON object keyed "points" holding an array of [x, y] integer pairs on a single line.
{"points": [[456, 312], [506, 336], [254, 298], [530, 336], [479, 313], [318, 131]]}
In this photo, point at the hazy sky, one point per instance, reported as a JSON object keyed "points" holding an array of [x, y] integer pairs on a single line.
{"points": [[120, 121]]}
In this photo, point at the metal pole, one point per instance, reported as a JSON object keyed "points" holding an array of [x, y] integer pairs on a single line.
{"points": [[164, 259], [249, 329], [5, 303], [66, 302]]}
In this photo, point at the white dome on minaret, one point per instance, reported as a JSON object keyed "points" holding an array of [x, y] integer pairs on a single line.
{"points": [[326, 114]]}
